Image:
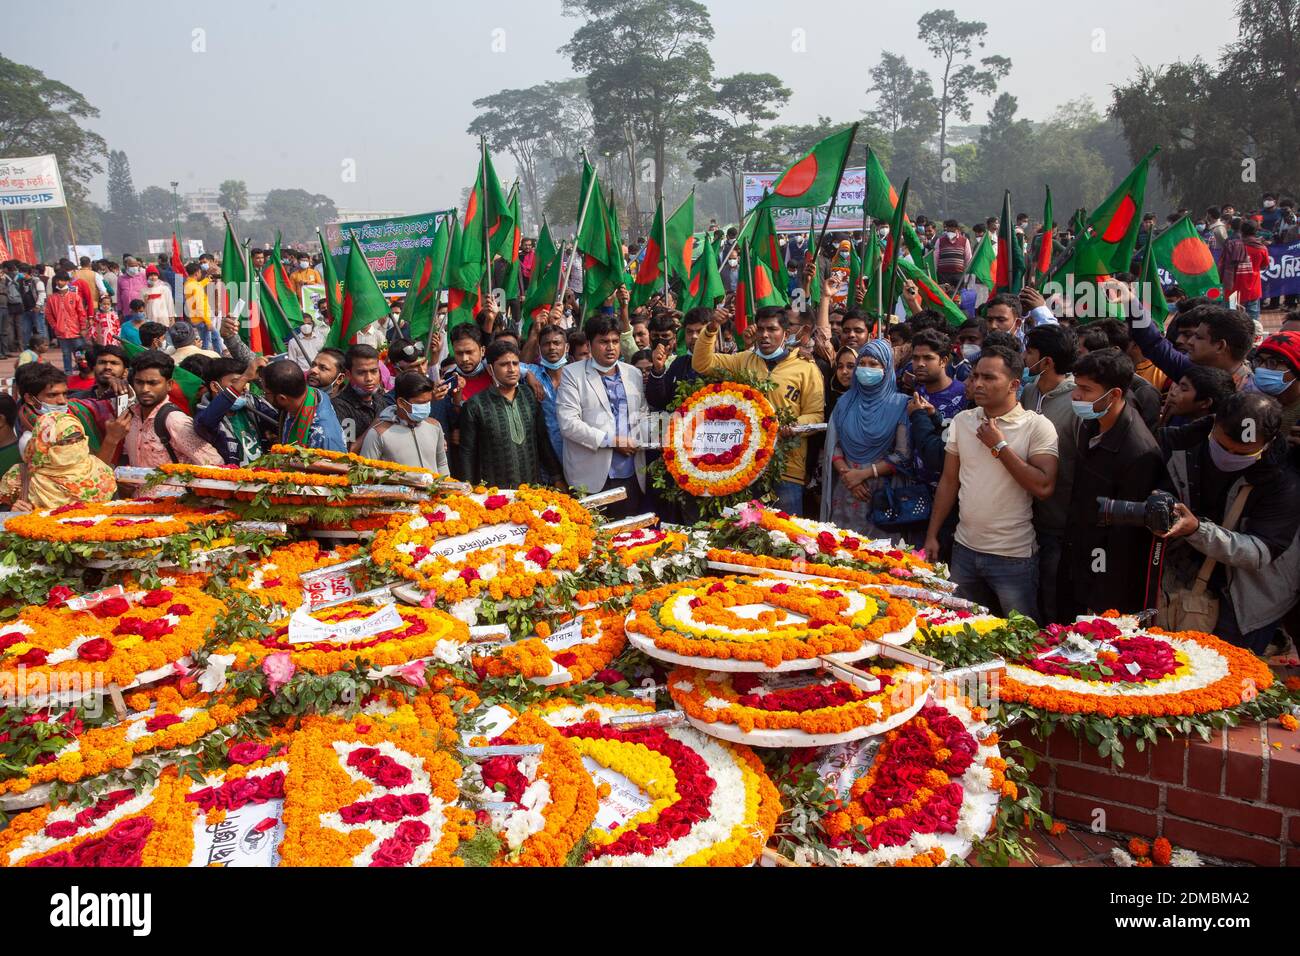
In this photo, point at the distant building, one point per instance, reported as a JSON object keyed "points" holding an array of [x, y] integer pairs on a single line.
{"points": [[205, 201], [355, 215]]}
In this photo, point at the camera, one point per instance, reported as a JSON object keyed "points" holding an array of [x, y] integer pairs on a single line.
{"points": [[1156, 514]]}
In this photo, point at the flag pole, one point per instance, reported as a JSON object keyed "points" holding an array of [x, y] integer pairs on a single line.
{"points": [[663, 248], [895, 239], [866, 236], [487, 241], [582, 218], [438, 289]]}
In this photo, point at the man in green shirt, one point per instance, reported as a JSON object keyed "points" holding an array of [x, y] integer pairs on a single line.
{"points": [[503, 438]]}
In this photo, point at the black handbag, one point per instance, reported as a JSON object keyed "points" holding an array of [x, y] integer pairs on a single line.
{"points": [[896, 505]]}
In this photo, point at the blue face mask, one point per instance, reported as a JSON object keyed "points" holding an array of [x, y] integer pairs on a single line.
{"points": [[1270, 381], [45, 408], [240, 402], [1230, 461], [1085, 410], [1026, 377], [770, 356], [419, 411], [547, 363], [869, 377]]}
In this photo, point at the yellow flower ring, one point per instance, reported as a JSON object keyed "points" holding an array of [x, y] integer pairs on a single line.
{"points": [[276, 580], [668, 797], [940, 622], [557, 536], [601, 640], [797, 710], [163, 719], [115, 523], [1208, 675], [720, 439], [425, 632], [743, 623], [52, 650], [932, 789], [643, 543]]}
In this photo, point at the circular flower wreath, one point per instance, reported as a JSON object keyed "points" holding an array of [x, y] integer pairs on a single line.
{"points": [[558, 538], [940, 621], [276, 580], [931, 791], [1114, 673], [812, 705], [115, 641], [715, 472], [640, 544], [781, 621], [115, 523], [425, 632], [163, 719], [602, 639], [711, 803]]}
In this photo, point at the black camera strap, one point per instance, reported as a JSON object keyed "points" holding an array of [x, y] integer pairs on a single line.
{"points": [[1155, 569]]}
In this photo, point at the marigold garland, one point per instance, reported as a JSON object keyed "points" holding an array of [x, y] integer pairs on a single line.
{"points": [[251, 476], [640, 544], [374, 464], [717, 474], [114, 522], [276, 580], [559, 537], [602, 640], [694, 619]]}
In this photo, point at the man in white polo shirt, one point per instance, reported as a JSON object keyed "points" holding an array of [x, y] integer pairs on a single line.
{"points": [[1000, 457]]}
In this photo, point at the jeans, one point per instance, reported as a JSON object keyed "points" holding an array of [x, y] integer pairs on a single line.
{"points": [[1227, 628], [33, 324], [9, 336], [210, 339], [70, 346], [789, 497], [1001, 583], [1049, 561]]}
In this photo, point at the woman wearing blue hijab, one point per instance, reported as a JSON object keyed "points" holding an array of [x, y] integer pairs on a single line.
{"points": [[867, 434]]}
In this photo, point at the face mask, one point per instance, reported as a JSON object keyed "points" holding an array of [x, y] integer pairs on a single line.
{"points": [[770, 356], [882, 233], [1085, 410], [1270, 381], [476, 370], [971, 352], [152, 282], [733, 263], [306, 329], [419, 411], [1268, 204], [133, 270], [240, 402], [1225, 460], [303, 264], [603, 369], [45, 408], [203, 267], [950, 236], [1026, 376], [547, 363], [869, 377], [60, 289]]}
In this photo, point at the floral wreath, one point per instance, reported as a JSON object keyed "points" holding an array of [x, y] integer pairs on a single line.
{"points": [[726, 470], [940, 621], [559, 537], [639, 544], [550, 798], [1095, 667], [163, 719], [425, 632], [930, 792], [710, 803], [115, 523], [114, 641], [602, 639], [360, 470], [807, 703], [802, 621], [276, 580]]}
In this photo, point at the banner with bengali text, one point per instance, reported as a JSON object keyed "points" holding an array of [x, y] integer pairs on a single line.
{"points": [[848, 206], [1283, 276], [391, 245]]}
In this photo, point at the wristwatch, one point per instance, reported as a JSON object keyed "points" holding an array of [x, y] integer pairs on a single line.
{"points": [[997, 449]]}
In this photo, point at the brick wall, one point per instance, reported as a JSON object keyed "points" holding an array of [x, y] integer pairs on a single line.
{"points": [[1235, 796]]}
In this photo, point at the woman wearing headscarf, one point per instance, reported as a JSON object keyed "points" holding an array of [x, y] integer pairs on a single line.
{"points": [[866, 436], [57, 468]]}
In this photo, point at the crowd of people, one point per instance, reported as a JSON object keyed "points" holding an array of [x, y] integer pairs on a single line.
{"points": [[1059, 468]]}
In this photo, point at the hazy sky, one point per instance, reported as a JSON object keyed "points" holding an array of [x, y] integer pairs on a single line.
{"points": [[390, 86]]}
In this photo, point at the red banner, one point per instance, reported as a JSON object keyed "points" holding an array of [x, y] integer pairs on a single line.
{"points": [[23, 247]]}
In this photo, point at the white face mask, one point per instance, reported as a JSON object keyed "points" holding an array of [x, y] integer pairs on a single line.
{"points": [[882, 233], [950, 236], [304, 264]]}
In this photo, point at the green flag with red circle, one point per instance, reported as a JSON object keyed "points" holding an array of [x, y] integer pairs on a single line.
{"points": [[1184, 257], [1110, 233], [813, 180]]}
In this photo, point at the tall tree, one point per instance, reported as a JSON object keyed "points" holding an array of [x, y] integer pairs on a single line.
{"points": [[729, 138], [122, 221], [232, 196], [904, 96], [296, 213], [643, 60], [952, 41]]}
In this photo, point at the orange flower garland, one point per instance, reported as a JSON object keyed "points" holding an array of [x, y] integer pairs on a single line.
{"points": [[768, 563], [643, 543], [48, 649], [425, 632], [114, 522], [374, 464], [724, 471], [250, 476], [1245, 675], [728, 699], [276, 580], [602, 640], [558, 538], [167, 720], [694, 619]]}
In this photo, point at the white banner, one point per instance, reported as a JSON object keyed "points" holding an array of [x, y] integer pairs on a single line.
{"points": [[159, 246], [308, 630], [93, 253], [31, 182], [848, 204], [493, 536]]}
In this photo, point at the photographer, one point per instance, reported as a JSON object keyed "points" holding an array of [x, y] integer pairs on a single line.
{"points": [[1238, 507], [1116, 458]]}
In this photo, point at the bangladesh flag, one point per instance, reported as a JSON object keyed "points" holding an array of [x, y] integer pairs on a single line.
{"points": [[881, 201], [1046, 240], [597, 240], [891, 249], [427, 282], [464, 296], [932, 297], [863, 264], [981, 263], [333, 288], [488, 227], [363, 302], [1149, 289], [1185, 258], [544, 281], [276, 283], [670, 245], [755, 288], [1112, 230], [813, 180], [1009, 267], [705, 284]]}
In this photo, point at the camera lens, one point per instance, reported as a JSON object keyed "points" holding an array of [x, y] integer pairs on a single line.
{"points": [[1124, 513]]}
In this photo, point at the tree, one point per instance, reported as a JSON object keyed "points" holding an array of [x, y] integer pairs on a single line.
{"points": [[647, 68], [730, 139], [952, 41], [296, 214], [156, 208], [122, 221], [904, 97], [538, 127], [232, 196], [1006, 158]]}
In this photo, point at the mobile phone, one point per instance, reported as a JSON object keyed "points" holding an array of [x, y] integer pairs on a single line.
{"points": [[122, 402]]}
